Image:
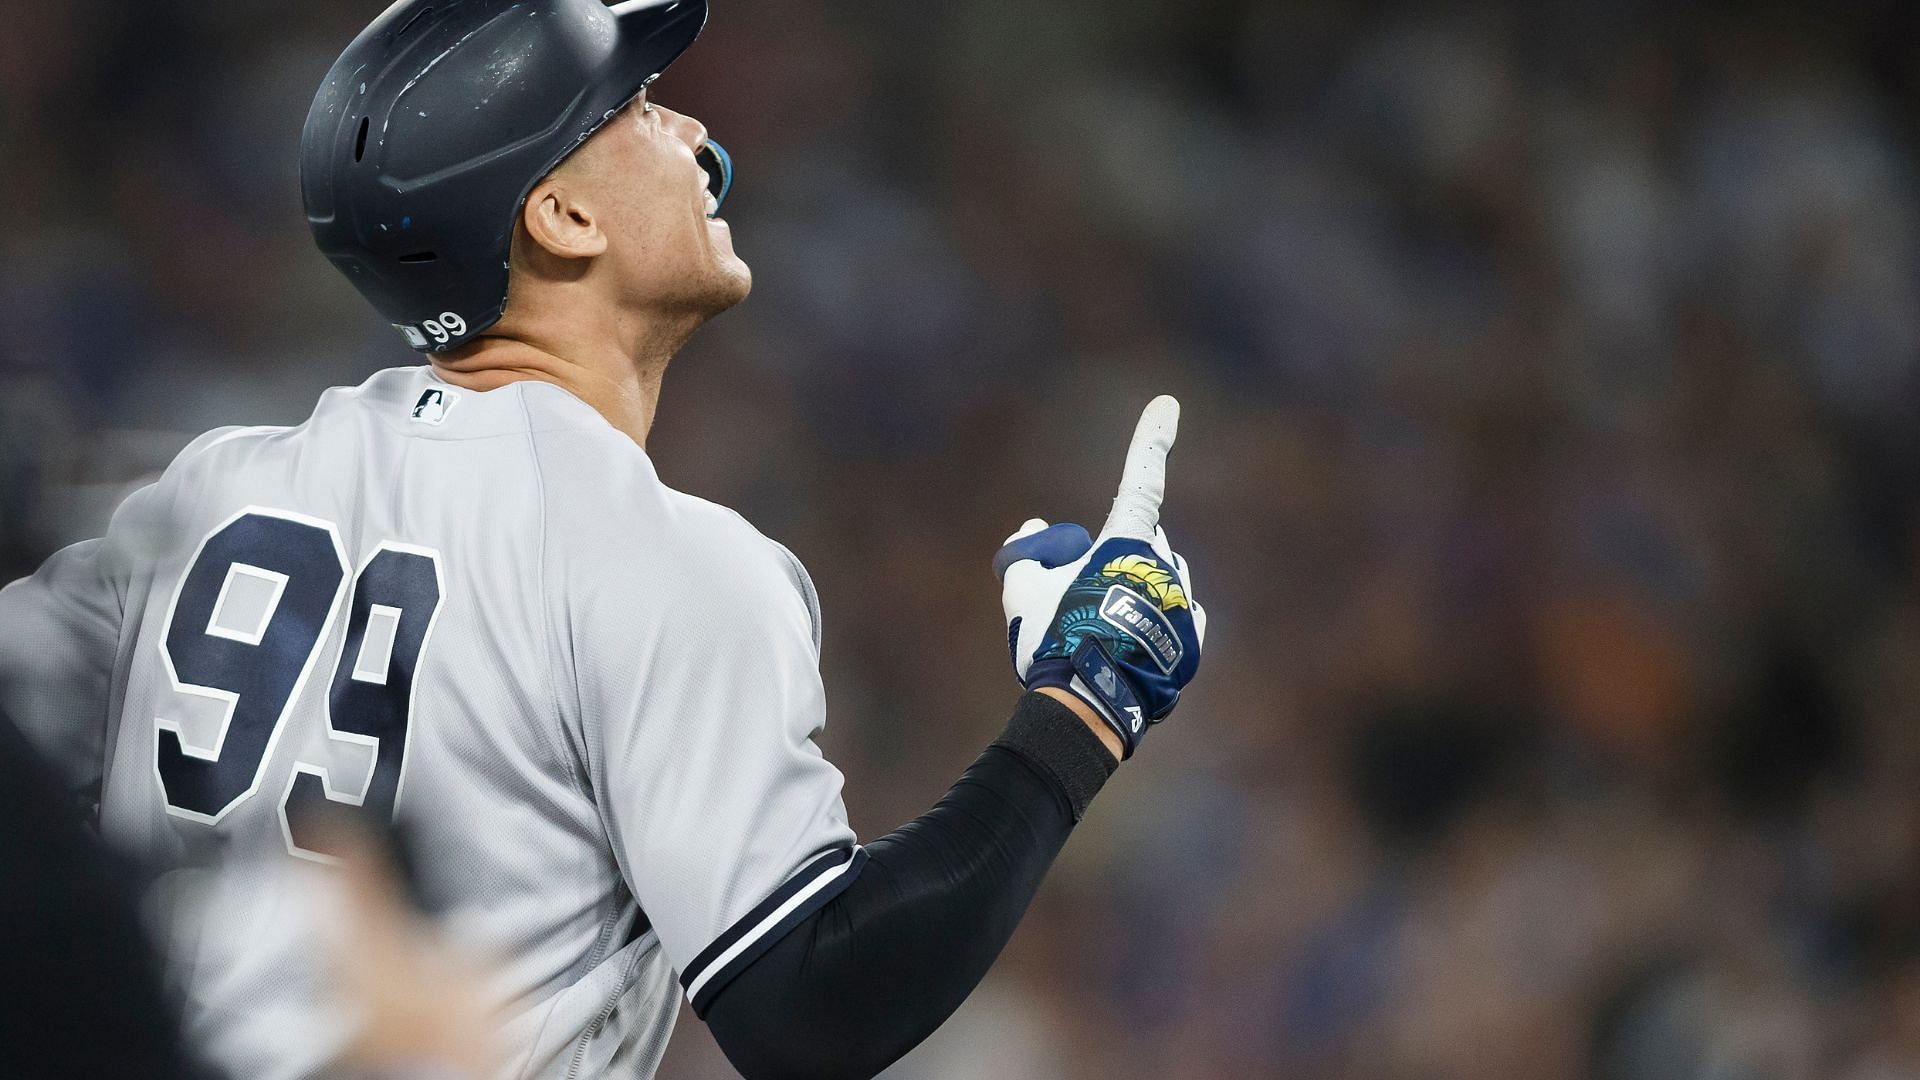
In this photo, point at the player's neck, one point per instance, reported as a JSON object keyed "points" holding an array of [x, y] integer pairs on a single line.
{"points": [[622, 383]]}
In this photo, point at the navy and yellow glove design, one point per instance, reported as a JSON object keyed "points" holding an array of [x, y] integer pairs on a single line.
{"points": [[1112, 622]]}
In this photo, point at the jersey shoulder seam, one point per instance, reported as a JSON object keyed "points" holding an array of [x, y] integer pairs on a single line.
{"points": [[564, 751], [209, 439], [801, 580], [809, 593]]}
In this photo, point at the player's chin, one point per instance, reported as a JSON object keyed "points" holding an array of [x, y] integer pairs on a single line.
{"points": [[733, 278]]}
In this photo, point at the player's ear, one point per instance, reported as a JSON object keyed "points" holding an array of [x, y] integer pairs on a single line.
{"points": [[560, 223]]}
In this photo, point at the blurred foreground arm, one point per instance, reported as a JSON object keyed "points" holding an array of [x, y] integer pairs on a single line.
{"points": [[59, 634], [865, 978]]}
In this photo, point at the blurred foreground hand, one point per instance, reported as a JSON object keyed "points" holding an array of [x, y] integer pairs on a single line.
{"points": [[420, 1003]]}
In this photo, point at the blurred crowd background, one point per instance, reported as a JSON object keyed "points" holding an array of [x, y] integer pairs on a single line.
{"points": [[1547, 469]]}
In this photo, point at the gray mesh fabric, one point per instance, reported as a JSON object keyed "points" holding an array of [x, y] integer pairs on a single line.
{"points": [[608, 758]]}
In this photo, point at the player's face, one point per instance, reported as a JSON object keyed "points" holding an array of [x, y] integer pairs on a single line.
{"points": [[665, 249]]}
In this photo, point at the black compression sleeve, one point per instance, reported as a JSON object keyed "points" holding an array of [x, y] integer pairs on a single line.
{"points": [[869, 975]]}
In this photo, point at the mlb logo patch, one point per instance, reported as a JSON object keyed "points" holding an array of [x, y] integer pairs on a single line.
{"points": [[433, 406]]}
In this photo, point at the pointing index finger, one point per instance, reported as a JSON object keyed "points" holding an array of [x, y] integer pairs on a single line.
{"points": [[1143, 483]]}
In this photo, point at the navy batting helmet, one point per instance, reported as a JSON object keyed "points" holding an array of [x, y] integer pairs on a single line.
{"points": [[433, 126]]}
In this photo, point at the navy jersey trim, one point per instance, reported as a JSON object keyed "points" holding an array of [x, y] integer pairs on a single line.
{"points": [[770, 920]]}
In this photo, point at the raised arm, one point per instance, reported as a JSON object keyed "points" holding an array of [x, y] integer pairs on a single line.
{"points": [[1104, 635]]}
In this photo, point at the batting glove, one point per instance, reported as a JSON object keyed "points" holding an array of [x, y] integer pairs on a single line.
{"points": [[1111, 621]]}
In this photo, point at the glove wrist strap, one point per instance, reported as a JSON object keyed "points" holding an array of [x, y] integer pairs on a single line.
{"points": [[1092, 677]]}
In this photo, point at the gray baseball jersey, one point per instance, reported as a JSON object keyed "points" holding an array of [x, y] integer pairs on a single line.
{"points": [[592, 698]]}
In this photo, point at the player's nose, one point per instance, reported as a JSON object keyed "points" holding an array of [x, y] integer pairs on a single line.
{"points": [[685, 127]]}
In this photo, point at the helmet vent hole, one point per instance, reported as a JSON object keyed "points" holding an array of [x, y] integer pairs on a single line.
{"points": [[360, 142], [419, 257], [421, 14]]}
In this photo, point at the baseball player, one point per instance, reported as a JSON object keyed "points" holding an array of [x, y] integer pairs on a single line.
{"points": [[460, 594]]}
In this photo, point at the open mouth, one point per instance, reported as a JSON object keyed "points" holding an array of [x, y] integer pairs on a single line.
{"points": [[719, 166]]}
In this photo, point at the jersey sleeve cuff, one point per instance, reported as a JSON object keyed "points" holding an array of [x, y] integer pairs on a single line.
{"points": [[760, 929]]}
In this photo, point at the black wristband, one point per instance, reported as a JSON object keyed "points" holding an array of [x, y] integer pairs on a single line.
{"points": [[1053, 738]]}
